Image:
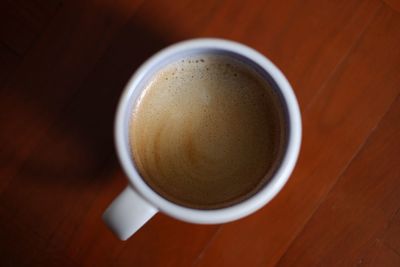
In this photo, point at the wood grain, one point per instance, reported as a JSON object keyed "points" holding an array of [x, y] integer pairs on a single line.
{"points": [[359, 207], [51, 75], [63, 65], [395, 4], [336, 125], [379, 254], [392, 232]]}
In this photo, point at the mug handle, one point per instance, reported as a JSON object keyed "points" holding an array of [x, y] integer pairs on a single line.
{"points": [[127, 213]]}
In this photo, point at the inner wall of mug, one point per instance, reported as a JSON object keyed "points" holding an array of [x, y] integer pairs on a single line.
{"points": [[141, 85]]}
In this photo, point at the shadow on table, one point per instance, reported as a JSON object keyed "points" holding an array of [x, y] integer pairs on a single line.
{"points": [[79, 144]]}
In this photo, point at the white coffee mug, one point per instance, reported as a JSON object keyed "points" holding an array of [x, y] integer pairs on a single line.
{"points": [[139, 202]]}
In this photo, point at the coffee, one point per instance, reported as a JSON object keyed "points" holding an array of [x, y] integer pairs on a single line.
{"points": [[207, 131]]}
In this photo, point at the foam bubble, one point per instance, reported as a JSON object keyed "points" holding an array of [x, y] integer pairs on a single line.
{"points": [[206, 138]]}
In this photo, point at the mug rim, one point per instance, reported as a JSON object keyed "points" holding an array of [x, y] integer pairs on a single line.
{"points": [[247, 206]]}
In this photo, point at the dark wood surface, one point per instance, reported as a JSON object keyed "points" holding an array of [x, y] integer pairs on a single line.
{"points": [[63, 65]]}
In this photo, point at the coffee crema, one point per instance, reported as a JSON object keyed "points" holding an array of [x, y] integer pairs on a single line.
{"points": [[207, 131]]}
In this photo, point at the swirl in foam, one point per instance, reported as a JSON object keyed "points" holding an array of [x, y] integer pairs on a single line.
{"points": [[207, 132]]}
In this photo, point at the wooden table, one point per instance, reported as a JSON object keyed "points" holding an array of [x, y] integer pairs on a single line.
{"points": [[63, 65]]}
